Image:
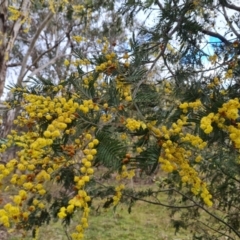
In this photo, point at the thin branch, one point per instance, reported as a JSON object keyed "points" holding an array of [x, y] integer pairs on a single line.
{"points": [[147, 201], [223, 234], [216, 35], [138, 110], [53, 60], [230, 23], [66, 232], [41, 55], [157, 203], [32, 44], [208, 212], [230, 176], [179, 23], [25, 40], [157, 2], [169, 69], [228, 5], [14, 64]]}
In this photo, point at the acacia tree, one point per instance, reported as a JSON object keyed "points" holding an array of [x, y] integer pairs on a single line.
{"points": [[167, 102], [189, 38]]}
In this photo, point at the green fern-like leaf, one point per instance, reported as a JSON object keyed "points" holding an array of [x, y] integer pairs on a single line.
{"points": [[148, 159], [110, 151]]}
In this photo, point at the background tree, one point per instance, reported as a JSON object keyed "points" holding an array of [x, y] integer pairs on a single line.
{"points": [[37, 37]]}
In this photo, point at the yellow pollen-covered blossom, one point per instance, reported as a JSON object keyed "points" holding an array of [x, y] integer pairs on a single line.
{"points": [[134, 125], [14, 13], [206, 123]]}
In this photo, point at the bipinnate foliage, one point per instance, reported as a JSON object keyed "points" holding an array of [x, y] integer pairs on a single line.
{"points": [[110, 150]]}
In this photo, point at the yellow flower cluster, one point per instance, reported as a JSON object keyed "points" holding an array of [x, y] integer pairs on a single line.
{"points": [[134, 125], [125, 173], [213, 58], [196, 3], [9, 212], [184, 107], [198, 158], [194, 105], [66, 62], [106, 117], [206, 123], [170, 48], [230, 109], [234, 133], [40, 107], [22, 16], [78, 39], [168, 88], [78, 8], [109, 65], [12, 212], [88, 105], [139, 149], [216, 81], [87, 79], [230, 112], [126, 63], [82, 199], [118, 194], [175, 129], [206, 196], [195, 141], [36, 149], [176, 158], [52, 6], [156, 131], [106, 45], [14, 13], [229, 73], [82, 62], [30, 183], [123, 88]]}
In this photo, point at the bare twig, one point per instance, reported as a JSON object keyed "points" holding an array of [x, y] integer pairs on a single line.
{"points": [[215, 230], [53, 60], [157, 2], [216, 35], [229, 22], [147, 201], [228, 5], [157, 203], [32, 44], [47, 51], [208, 212]]}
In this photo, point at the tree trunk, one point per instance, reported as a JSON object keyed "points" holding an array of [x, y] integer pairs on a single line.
{"points": [[3, 43], [8, 36]]}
